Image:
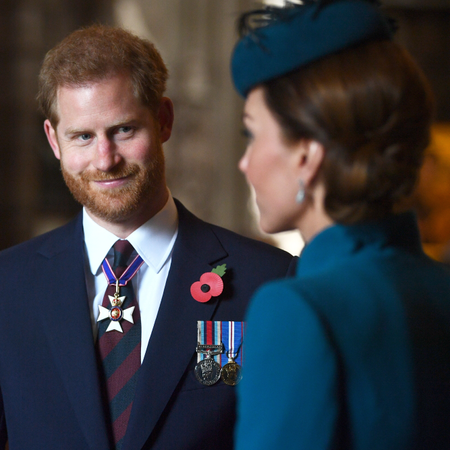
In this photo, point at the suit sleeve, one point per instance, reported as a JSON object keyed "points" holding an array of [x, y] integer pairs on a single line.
{"points": [[288, 396]]}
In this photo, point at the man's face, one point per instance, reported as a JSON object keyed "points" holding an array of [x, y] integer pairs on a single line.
{"points": [[110, 147]]}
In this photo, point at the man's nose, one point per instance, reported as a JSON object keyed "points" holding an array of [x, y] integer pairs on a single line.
{"points": [[107, 155]]}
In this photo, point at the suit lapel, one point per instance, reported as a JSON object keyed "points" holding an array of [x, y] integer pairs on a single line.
{"points": [[66, 321], [173, 340]]}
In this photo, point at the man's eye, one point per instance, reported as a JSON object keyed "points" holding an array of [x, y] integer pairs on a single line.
{"points": [[85, 137], [125, 129]]}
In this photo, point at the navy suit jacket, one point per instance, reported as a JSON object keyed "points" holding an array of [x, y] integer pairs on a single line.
{"points": [[354, 353], [50, 392]]}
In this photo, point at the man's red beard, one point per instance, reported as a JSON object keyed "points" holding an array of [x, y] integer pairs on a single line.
{"points": [[117, 205]]}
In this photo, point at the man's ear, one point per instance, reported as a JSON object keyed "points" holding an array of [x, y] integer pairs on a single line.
{"points": [[50, 132], [311, 155], [165, 119]]}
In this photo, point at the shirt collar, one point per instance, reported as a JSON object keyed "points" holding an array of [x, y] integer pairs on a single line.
{"points": [[153, 240]]}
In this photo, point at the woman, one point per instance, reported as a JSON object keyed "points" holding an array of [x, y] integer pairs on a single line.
{"points": [[354, 352]]}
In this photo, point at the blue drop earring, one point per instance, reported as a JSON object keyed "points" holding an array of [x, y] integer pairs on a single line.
{"points": [[301, 193]]}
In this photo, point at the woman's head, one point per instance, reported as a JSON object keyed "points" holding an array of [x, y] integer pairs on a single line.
{"points": [[364, 102], [371, 109]]}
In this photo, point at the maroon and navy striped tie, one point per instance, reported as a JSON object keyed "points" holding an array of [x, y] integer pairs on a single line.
{"points": [[120, 352]]}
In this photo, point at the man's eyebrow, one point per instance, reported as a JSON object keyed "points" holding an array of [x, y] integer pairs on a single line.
{"points": [[70, 131]]}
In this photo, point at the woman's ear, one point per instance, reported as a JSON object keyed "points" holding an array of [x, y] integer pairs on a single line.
{"points": [[311, 155]]}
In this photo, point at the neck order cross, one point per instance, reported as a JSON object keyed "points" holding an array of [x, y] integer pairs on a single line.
{"points": [[116, 313]]}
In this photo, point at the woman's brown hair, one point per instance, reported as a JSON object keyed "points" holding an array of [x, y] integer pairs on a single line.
{"points": [[371, 108]]}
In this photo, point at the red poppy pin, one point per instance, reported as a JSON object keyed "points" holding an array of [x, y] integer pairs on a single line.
{"points": [[210, 284]]}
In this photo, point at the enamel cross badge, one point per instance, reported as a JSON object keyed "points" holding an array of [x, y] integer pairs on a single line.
{"points": [[116, 313]]}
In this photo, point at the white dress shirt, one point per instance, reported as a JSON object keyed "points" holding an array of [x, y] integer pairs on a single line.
{"points": [[154, 242]]}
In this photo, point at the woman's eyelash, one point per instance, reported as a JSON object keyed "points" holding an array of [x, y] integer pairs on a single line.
{"points": [[246, 133]]}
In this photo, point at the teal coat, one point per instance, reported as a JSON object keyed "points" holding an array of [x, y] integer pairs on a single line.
{"points": [[353, 353]]}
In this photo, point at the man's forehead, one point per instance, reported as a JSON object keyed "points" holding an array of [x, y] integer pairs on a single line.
{"points": [[93, 105], [88, 88], [123, 75]]}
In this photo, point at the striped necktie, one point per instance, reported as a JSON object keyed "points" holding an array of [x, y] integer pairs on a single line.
{"points": [[119, 339]]}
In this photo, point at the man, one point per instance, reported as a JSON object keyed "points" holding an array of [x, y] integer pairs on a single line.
{"points": [[101, 90]]}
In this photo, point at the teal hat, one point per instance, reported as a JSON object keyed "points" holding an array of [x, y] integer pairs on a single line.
{"points": [[296, 35]]}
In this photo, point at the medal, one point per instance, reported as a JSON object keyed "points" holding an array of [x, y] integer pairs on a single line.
{"points": [[116, 313], [220, 352], [208, 371], [232, 371], [232, 336]]}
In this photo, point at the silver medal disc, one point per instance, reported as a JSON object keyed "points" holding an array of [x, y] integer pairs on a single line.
{"points": [[207, 372]]}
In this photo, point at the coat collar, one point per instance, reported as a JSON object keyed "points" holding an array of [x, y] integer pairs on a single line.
{"points": [[336, 242]]}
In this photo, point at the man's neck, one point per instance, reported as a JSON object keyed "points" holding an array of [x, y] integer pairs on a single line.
{"points": [[122, 229]]}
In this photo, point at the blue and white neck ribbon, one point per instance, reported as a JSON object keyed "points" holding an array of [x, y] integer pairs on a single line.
{"points": [[228, 333], [129, 273]]}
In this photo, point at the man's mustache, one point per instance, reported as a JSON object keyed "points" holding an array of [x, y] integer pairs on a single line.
{"points": [[114, 174]]}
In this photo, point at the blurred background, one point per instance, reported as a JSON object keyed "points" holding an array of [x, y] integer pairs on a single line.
{"points": [[195, 38]]}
